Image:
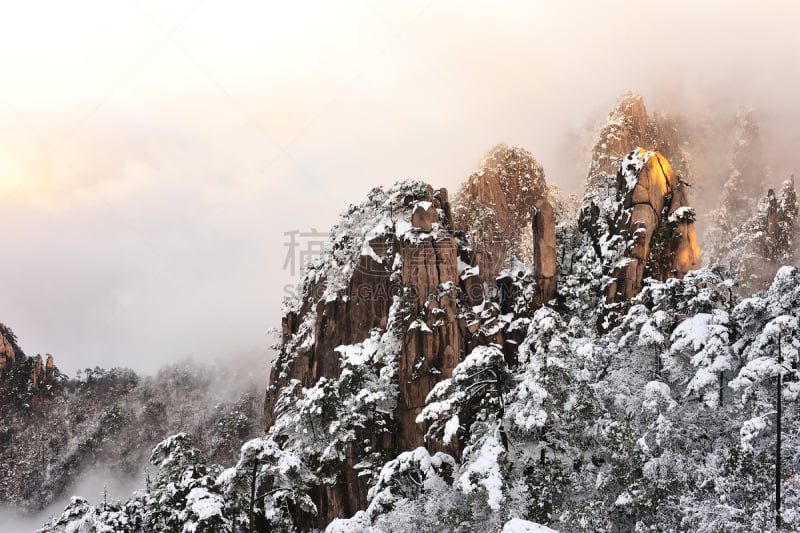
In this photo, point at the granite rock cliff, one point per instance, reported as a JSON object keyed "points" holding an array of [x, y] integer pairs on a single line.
{"points": [[636, 213], [656, 223], [505, 209], [395, 270]]}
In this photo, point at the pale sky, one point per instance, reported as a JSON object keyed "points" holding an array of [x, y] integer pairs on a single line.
{"points": [[153, 154]]}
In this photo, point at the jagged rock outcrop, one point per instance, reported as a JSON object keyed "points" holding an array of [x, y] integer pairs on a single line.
{"points": [[42, 371], [496, 208], [8, 349], [396, 271], [751, 239], [401, 269], [655, 221], [636, 214], [627, 127], [545, 254], [765, 241], [682, 249], [406, 265], [414, 262], [400, 297], [22, 377]]}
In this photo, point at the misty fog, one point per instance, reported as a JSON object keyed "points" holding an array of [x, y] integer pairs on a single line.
{"points": [[217, 403], [92, 485]]}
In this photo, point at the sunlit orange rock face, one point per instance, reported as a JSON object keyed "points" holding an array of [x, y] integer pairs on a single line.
{"points": [[657, 221], [628, 126], [635, 194], [639, 200], [683, 249]]}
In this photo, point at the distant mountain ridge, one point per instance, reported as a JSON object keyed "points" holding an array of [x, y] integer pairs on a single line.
{"points": [[54, 429]]}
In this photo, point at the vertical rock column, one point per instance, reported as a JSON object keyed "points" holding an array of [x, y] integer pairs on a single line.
{"points": [[683, 249], [544, 250], [433, 340]]}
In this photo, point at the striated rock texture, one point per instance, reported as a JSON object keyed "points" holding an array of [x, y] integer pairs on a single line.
{"points": [[409, 260], [628, 126], [397, 287], [497, 209], [656, 223]]}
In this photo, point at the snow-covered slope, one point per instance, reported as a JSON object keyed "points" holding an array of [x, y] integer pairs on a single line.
{"points": [[413, 394]]}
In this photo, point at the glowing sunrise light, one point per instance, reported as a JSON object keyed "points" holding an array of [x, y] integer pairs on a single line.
{"points": [[11, 178]]}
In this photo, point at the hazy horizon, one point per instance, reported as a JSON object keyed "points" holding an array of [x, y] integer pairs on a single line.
{"points": [[153, 156]]}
